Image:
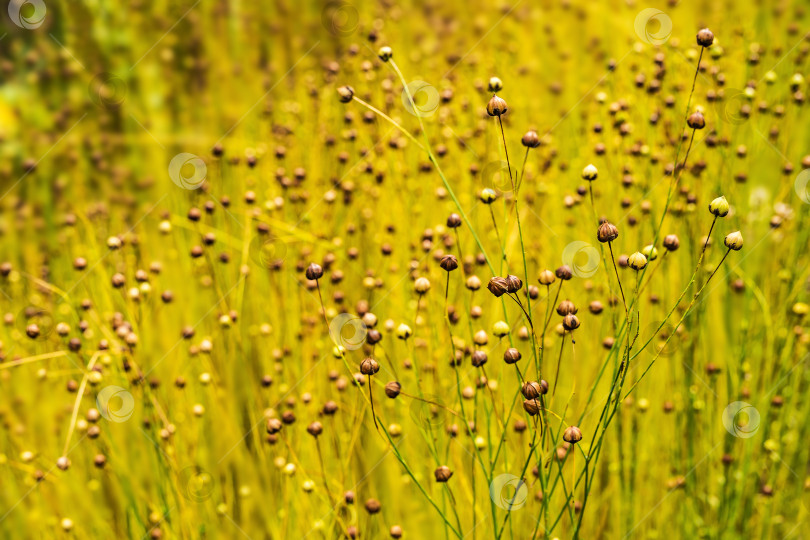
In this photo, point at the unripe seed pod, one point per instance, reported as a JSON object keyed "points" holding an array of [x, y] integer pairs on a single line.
{"points": [[734, 241], [385, 53], [637, 261], [590, 173], [494, 85], [546, 278], [346, 93], [719, 207]]}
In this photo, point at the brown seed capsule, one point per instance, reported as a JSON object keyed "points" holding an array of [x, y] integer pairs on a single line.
{"points": [[392, 389], [531, 406], [443, 474], [369, 366], [533, 389], [564, 272], [496, 106], [479, 358], [572, 435], [315, 429], [453, 221], [511, 355], [530, 139], [373, 506], [566, 307], [607, 232], [395, 531], [346, 93], [314, 271], [273, 426], [570, 322], [705, 37], [449, 263], [595, 307], [513, 284], [696, 120], [671, 242], [498, 286]]}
